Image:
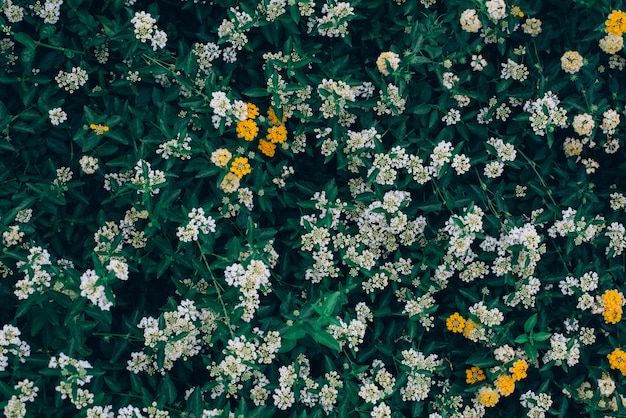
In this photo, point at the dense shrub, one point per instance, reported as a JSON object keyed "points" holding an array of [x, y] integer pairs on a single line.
{"points": [[312, 208]]}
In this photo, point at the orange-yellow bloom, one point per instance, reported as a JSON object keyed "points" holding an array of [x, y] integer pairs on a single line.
{"points": [[240, 166], [267, 148], [455, 322], [253, 110], [247, 129], [488, 396], [474, 375], [616, 23], [518, 370], [505, 384], [277, 134], [99, 129], [612, 301], [271, 115], [617, 360]]}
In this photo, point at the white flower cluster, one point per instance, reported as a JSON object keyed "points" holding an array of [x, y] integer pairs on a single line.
{"points": [[11, 344], [12, 236], [24, 391], [488, 317], [470, 22], [178, 334], [496, 9], [88, 164], [525, 292], [578, 227], [583, 124], [224, 108], [250, 280], [240, 365], [199, 223], [206, 54], [176, 148], [146, 179], [387, 60], [352, 333], [563, 349], [145, 29], [335, 95], [610, 120], [617, 239], [334, 22], [545, 113], [76, 374], [537, 404], [419, 371], [57, 116], [376, 384], [49, 11], [92, 289], [73, 80], [36, 278], [13, 12], [513, 70], [275, 8], [391, 102], [519, 251], [233, 31]]}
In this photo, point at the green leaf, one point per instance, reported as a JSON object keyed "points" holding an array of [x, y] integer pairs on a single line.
{"points": [[324, 338], [530, 323]]}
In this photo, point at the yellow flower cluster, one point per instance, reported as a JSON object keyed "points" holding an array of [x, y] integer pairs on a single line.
{"points": [[616, 23], [488, 396], [99, 129], [267, 148], [617, 360], [247, 129], [474, 374], [455, 323], [277, 134], [518, 370], [505, 384], [612, 301], [240, 167]]}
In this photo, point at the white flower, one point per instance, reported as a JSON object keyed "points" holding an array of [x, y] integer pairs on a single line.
{"points": [[57, 116]]}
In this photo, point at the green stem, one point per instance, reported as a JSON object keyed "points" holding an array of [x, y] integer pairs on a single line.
{"points": [[58, 48], [218, 290]]}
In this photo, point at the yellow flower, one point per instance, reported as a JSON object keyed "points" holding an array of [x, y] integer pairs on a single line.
{"points": [[473, 375], [519, 369], [505, 384], [267, 148], [220, 157], [616, 22], [271, 115], [612, 301], [277, 134], [488, 396], [455, 322], [516, 11], [253, 110], [230, 183], [240, 167], [99, 129], [617, 360], [247, 129]]}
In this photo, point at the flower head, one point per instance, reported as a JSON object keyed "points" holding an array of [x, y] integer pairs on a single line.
{"points": [[247, 129], [616, 23], [505, 384], [455, 322], [474, 374], [518, 370], [240, 167], [617, 360], [277, 134], [267, 148], [488, 396], [99, 129]]}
